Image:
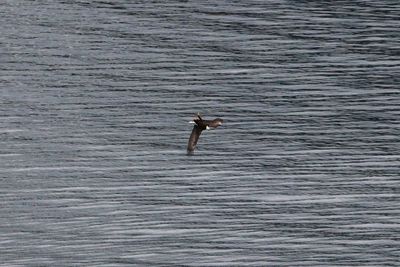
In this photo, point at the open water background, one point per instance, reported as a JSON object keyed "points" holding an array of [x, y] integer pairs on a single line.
{"points": [[95, 99]]}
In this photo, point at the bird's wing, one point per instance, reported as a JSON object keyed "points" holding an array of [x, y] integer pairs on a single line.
{"points": [[198, 115], [194, 137]]}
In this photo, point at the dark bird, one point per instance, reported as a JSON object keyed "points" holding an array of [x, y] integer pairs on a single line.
{"points": [[199, 126]]}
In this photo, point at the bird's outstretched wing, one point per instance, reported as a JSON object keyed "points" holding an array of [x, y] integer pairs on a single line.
{"points": [[194, 137]]}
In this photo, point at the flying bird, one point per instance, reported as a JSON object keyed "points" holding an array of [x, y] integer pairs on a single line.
{"points": [[199, 126]]}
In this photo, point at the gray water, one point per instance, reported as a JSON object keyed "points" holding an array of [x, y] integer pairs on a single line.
{"points": [[95, 102]]}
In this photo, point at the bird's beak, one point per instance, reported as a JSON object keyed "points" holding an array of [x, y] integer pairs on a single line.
{"points": [[192, 122]]}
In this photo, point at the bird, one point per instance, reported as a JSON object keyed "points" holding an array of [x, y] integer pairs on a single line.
{"points": [[199, 126]]}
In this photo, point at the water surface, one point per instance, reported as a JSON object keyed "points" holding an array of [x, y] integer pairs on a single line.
{"points": [[95, 100]]}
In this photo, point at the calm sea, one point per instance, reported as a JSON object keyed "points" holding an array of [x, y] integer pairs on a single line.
{"points": [[95, 102]]}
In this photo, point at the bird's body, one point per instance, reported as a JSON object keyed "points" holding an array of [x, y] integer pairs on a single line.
{"points": [[199, 126]]}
